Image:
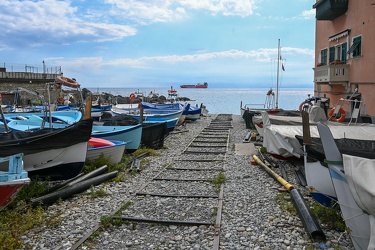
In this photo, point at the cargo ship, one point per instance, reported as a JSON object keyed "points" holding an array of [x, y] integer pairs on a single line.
{"points": [[196, 86]]}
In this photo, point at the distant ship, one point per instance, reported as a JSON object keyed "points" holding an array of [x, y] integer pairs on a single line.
{"points": [[196, 86]]}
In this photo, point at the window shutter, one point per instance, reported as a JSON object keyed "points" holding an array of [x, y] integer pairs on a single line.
{"points": [[331, 54], [343, 52]]}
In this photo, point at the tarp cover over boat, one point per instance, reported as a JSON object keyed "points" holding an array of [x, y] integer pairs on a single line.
{"points": [[360, 173]]}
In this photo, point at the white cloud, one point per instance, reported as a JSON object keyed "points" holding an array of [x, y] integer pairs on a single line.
{"points": [[153, 11], [225, 7], [33, 23], [261, 55], [264, 55], [145, 12], [308, 14], [40, 22]]}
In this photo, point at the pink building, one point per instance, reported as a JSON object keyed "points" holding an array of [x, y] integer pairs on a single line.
{"points": [[345, 54]]}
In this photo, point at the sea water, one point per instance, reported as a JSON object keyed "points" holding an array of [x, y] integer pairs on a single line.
{"points": [[224, 100]]}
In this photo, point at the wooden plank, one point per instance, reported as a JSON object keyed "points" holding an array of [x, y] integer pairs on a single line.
{"points": [[306, 128]]}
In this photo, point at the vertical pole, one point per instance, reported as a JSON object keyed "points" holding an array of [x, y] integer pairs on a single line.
{"points": [[4, 121], [277, 78]]}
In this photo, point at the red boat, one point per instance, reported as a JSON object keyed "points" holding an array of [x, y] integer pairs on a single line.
{"points": [[12, 181], [197, 86]]}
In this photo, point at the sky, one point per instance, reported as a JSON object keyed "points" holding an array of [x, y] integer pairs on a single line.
{"points": [[157, 43]]}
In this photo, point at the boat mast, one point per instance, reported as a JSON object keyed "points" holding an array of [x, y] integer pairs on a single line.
{"points": [[277, 77]]}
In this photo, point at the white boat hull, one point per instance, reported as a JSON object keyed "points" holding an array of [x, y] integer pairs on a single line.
{"points": [[68, 159], [319, 182], [112, 153]]}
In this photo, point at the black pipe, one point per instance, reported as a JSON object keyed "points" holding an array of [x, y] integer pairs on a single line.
{"points": [[283, 172], [300, 175], [60, 185], [87, 176], [307, 217], [271, 161], [74, 189]]}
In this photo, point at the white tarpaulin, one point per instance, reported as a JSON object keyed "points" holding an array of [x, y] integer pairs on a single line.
{"points": [[360, 174]]}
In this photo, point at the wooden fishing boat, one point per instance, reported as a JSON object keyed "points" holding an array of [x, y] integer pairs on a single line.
{"points": [[32, 121], [170, 122], [154, 130], [12, 180], [191, 113], [111, 149], [150, 113], [130, 134], [68, 82], [55, 153]]}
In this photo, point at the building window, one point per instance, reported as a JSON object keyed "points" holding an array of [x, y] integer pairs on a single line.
{"points": [[356, 48], [323, 57], [338, 53]]}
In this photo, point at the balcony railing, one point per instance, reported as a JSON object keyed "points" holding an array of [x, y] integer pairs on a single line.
{"points": [[330, 9], [336, 73]]}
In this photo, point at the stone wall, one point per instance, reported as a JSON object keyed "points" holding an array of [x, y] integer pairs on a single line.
{"points": [[26, 97]]}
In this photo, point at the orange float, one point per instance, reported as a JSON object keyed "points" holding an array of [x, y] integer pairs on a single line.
{"points": [[60, 99], [132, 97], [340, 119]]}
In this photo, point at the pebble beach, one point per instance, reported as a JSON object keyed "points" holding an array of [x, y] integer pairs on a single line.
{"points": [[251, 216]]}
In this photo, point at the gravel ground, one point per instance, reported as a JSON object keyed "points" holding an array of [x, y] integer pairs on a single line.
{"points": [[251, 217]]}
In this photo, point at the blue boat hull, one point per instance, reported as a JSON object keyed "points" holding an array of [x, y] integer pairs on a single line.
{"points": [[129, 134]]}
